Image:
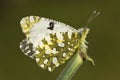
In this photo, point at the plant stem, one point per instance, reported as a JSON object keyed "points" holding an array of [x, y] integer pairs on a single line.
{"points": [[71, 68]]}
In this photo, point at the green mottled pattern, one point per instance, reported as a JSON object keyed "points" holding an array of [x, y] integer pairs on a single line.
{"points": [[70, 46], [28, 22]]}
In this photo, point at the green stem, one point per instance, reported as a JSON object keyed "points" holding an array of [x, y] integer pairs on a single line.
{"points": [[71, 68]]}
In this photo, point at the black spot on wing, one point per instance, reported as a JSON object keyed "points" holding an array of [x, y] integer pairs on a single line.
{"points": [[51, 26]]}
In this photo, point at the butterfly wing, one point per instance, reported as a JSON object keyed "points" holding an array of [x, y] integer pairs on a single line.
{"points": [[53, 42], [27, 48], [49, 56], [27, 23]]}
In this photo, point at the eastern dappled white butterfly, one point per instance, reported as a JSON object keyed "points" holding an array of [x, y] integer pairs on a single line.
{"points": [[49, 42]]}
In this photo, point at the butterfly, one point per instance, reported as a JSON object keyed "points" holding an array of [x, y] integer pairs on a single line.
{"points": [[49, 42]]}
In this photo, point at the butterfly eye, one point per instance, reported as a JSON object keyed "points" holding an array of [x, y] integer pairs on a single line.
{"points": [[51, 26]]}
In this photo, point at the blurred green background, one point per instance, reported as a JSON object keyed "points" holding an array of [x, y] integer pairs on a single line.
{"points": [[104, 37]]}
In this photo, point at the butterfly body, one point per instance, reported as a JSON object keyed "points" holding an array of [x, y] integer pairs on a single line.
{"points": [[49, 42]]}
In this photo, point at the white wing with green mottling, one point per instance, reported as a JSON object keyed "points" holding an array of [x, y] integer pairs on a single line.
{"points": [[53, 42], [27, 23]]}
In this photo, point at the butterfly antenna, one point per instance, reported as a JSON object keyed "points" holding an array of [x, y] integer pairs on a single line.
{"points": [[92, 17]]}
